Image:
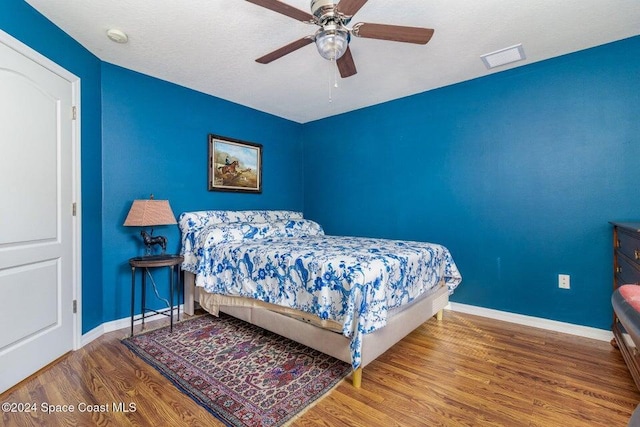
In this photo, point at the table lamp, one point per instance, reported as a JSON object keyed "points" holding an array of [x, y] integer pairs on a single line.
{"points": [[149, 213]]}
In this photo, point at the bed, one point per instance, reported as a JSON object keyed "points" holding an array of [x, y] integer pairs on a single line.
{"points": [[350, 297]]}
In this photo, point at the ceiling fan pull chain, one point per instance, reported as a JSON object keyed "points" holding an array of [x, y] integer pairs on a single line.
{"points": [[332, 64], [333, 79]]}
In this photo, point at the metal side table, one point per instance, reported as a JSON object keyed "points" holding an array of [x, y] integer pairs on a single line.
{"points": [[146, 263]]}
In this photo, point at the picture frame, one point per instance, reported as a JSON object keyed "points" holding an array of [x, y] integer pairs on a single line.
{"points": [[234, 165]]}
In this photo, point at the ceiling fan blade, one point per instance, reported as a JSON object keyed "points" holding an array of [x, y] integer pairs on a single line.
{"points": [[285, 9], [350, 7], [346, 66], [395, 33], [279, 53]]}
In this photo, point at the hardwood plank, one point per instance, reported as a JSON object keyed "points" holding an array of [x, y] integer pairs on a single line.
{"points": [[463, 371]]}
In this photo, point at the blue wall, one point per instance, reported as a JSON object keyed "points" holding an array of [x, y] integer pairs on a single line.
{"points": [[155, 141], [517, 173], [21, 21]]}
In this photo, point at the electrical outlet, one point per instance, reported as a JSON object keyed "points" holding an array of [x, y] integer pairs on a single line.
{"points": [[564, 281]]}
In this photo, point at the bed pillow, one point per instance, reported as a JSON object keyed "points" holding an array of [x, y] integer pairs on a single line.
{"points": [[220, 233], [196, 240], [191, 223]]}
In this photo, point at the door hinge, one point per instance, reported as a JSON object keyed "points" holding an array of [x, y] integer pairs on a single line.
{"points": [[74, 113], [75, 306], [74, 209]]}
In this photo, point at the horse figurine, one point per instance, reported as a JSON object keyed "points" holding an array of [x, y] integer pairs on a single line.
{"points": [[150, 240]]}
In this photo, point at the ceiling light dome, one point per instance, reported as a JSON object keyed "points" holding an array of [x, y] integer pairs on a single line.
{"points": [[117, 35], [332, 41]]}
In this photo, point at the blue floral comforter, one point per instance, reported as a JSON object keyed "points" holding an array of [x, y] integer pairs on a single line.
{"points": [[354, 281]]}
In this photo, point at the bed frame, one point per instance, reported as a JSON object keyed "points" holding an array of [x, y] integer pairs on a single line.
{"points": [[326, 341]]}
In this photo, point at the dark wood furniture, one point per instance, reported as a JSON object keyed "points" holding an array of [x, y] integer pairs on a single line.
{"points": [[626, 270], [155, 261]]}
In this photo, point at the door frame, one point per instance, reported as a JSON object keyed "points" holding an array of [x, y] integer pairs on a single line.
{"points": [[76, 240]]}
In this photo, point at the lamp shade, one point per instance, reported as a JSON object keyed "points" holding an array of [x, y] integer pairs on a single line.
{"points": [[146, 213]]}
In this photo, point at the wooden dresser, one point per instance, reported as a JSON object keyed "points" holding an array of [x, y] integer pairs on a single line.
{"points": [[626, 270]]}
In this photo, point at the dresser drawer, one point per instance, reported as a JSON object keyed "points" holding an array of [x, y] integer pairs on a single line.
{"points": [[627, 272], [629, 245], [626, 261]]}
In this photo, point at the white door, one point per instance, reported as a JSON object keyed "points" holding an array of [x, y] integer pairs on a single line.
{"points": [[37, 234]]}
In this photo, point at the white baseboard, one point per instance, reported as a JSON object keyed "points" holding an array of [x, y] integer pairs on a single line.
{"points": [[536, 322], [115, 325], [520, 319]]}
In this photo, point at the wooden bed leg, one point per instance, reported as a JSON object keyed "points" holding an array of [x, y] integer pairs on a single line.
{"points": [[439, 314], [356, 378]]}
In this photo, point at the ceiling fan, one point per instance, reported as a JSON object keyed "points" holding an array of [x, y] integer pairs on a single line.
{"points": [[333, 36]]}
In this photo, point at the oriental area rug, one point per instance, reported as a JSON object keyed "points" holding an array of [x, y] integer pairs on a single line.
{"points": [[242, 374]]}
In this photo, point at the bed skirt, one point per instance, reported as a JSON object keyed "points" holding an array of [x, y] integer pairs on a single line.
{"points": [[399, 325]]}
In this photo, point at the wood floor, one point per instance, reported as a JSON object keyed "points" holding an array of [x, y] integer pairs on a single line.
{"points": [[463, 371]]}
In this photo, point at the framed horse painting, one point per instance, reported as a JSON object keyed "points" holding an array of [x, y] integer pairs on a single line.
{"points": [[234, 165]]}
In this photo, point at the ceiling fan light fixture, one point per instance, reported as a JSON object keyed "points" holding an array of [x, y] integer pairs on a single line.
{"points": [[332, 41]]}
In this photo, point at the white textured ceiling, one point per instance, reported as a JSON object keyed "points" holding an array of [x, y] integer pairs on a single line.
{"points": [[211, 45]]}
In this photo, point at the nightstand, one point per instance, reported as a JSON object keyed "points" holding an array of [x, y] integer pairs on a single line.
{"points": [[146, 263]]}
